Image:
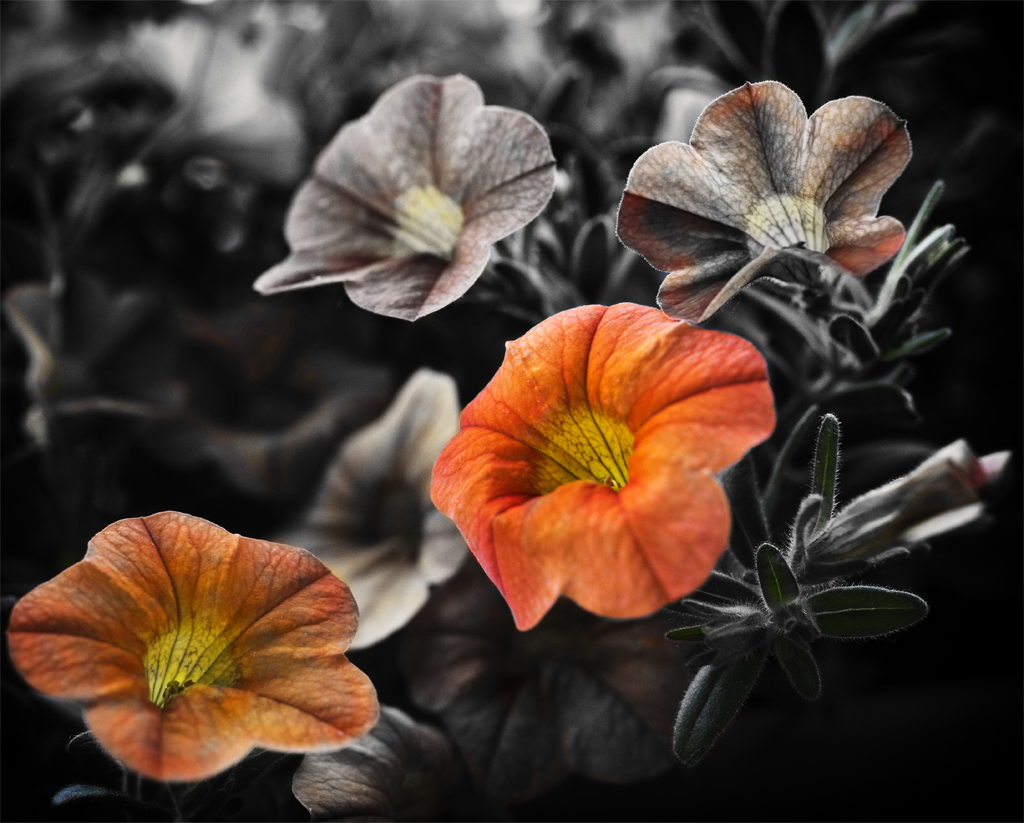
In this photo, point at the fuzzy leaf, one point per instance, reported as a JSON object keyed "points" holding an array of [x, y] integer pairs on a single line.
{"points": [[825, 476], [713, 699], [778, 584], [799, 665], [865, 611], [687, 634]]}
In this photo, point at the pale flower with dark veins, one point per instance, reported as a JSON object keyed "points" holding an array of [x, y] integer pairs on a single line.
{"points": [[373, 524], [759, 186], [404, 203]]}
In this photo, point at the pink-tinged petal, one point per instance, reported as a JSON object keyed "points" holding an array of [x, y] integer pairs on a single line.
{"points": [[189, 645], [542, 477], [751, 136], [862, 245], [390, 149], [757, 165], [405, 202], [411, 287], [855, 148]]}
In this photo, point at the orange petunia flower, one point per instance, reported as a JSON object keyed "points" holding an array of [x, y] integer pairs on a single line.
{"points": [[188, 646], [760, 182], [587, 465], [404, 203]]}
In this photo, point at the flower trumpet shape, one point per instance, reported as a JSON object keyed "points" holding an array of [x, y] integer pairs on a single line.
{"points": [[189, 645], [587, 465], [760, 182], [373, 523], [404, 203]]}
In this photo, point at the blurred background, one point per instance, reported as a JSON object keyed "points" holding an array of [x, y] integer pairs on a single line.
{"points": [[149, 154]]}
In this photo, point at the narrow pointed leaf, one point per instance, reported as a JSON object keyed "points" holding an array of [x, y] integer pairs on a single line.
{"points": [[799, 664], [919, 345], [826, 468], [778, 584], [740, 483], [713, 699], [938, 187], [865, 611], [687, 634], [721, 590]]}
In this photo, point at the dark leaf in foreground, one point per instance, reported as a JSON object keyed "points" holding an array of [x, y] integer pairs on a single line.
{"points": [[799, 665], [713, 699]]}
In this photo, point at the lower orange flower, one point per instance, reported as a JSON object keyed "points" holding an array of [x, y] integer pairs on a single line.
{"points": [[587, 467], [189, 645]]}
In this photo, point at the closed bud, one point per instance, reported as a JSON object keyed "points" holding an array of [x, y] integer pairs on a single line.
{"points": [[945, 492]]}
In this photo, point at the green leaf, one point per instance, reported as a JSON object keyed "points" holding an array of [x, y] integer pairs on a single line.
{"points": [[826, 468], [778, 583], [923, 213], [919, 345], [865, 611], [687, 634], [799, 665], [737, 639], [713, 699]]}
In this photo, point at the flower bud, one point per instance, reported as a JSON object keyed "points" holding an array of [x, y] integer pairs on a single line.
{"points": [[945, 492]]}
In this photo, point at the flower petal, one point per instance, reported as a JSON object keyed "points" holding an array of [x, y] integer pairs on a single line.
{"points": [[373, 523], [411, 287], [529, 478], [405, 202], [862, 245], [261, 628], [400, 770], [855, 148], [576, 693]]}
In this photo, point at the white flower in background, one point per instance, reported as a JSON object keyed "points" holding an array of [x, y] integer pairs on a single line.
{"points": [[373, 523], [223, 107]]}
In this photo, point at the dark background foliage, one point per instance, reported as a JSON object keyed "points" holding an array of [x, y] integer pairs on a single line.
{"points": [[924, 725]]}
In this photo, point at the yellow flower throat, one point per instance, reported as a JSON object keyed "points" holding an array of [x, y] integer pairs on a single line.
{"points": [[588, 445], [429, 222]]}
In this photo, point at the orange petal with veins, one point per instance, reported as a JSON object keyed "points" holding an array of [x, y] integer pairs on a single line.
{"points": [[189, 645], [587, 467]]}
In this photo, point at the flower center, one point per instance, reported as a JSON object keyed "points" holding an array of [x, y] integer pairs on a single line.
{"points": [[429, 222], [590, 446], [180, 658], [784, 220]]}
